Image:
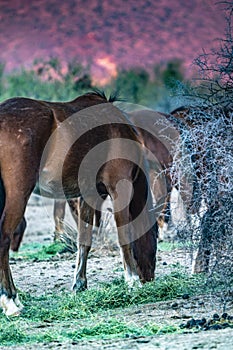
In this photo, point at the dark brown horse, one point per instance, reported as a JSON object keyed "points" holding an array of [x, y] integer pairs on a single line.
{"points": [[57, 144], [158, 132], [153, 127], [158, 154]]}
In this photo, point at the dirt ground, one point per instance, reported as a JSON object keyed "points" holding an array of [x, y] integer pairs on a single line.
{"points": [[104, 265]]}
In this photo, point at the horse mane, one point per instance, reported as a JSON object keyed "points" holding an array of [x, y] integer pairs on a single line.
{"points": [[98, 95], [114, 96]]}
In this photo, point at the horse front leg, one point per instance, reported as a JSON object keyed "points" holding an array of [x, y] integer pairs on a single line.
{"points": [[125, 237], [84, 215], [130, 270]]}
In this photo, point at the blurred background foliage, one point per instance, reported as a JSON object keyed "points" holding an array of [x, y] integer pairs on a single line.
{"points": [[48, 80]]}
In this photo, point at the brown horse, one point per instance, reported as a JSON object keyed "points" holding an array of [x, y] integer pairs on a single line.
{"points": [[158, 133], [159, 157], [159, 152], [60, 144]]}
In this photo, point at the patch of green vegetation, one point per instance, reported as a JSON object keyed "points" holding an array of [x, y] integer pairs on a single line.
{"points": [[64, 306], [64, 317], [159, 329], [168, 246], [104, 329], [38, 251], [11, 333], [98, 328]]}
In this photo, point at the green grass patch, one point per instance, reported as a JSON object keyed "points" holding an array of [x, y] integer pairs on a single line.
{"points": [[11, 333], [105, 329], [170, 246], [68, 306], [167, 246], [38, 251], [16, 332], [67, 317]]}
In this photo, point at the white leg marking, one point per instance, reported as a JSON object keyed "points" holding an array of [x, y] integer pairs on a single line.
{"points": [[9, 306], [131, 278]]}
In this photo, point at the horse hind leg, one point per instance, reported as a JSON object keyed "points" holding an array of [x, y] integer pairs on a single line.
{"points": [[18, 235], [9, 300], [17, 190]]}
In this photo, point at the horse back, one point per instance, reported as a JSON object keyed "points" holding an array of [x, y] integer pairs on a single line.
{"points": [[25, 126]]}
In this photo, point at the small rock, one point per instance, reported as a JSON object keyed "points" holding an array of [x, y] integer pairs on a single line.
{"points": [[201, 322], [185, 296], [216, 317], [143, 341], [224, 316], [191, 323], [216, 326], [138, 311], [174, 305]]}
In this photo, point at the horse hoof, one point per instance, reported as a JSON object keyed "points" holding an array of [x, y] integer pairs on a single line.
{"points": [[80, 286], [18, 303], [133, 282], [10, 308]]}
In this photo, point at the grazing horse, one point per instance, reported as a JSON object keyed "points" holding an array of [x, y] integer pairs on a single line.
{"points": [[159, 157], [57, 144], [149, 125]]}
